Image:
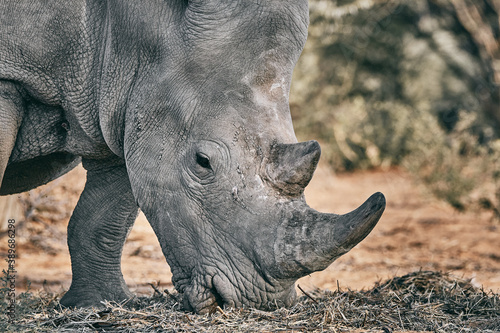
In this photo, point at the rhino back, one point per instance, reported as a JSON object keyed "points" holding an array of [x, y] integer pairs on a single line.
{"points": [[36, 41]]}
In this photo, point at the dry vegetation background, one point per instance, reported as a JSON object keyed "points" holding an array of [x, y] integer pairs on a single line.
{"points": [[404, 96], [408, 83]]}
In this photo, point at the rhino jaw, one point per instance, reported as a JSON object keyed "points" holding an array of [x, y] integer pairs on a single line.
{"points": [[208, 292]]}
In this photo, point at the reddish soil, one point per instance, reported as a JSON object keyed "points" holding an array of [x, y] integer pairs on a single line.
{"points": [[415, 232]]}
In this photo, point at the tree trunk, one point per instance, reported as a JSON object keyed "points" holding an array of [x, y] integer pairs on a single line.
{"points": [[10, 208]]}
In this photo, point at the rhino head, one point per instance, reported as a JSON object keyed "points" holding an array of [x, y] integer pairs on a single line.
{"points": [[214, 162]]}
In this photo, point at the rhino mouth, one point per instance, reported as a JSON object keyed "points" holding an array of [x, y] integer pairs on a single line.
{"points": [[306, 241], [222, 292]]}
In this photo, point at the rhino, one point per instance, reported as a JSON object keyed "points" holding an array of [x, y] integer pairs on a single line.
{"points": [[179, 108]]}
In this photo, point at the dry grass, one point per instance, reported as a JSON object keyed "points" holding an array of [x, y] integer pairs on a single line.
{"points": [[420, 301]]}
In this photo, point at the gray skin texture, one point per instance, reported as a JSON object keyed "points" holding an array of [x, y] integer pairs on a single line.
{"points": [[179, 108]]}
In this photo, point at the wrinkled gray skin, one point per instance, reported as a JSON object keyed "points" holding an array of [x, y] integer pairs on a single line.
{"points": [[180, 108]]}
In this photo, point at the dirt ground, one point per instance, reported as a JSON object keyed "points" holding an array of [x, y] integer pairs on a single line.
{"points": [[415, 232]]}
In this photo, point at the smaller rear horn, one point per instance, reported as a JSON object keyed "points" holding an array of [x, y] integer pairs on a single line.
{"points": [[291, 166]]}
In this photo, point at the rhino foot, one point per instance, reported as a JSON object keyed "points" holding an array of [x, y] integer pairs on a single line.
{"points": [[87, 298]]}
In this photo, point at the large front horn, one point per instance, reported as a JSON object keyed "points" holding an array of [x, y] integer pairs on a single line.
{"points": [[291, 166], [309, 241]]}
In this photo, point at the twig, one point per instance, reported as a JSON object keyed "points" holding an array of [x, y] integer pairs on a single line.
{"points": [[158, 291], [309, 296], [222, 312]]}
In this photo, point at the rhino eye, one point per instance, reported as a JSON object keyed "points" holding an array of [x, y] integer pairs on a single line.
{"points": [[203, 161]]}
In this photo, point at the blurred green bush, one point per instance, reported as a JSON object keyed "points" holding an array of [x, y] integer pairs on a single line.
{"points": [[412, 83]]}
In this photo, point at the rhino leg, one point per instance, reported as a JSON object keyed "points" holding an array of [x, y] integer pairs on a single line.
{"points": [[97, 231], [10, 117]]}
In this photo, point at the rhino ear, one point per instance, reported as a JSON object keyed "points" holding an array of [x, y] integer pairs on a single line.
{"points": [[291, 166]]}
